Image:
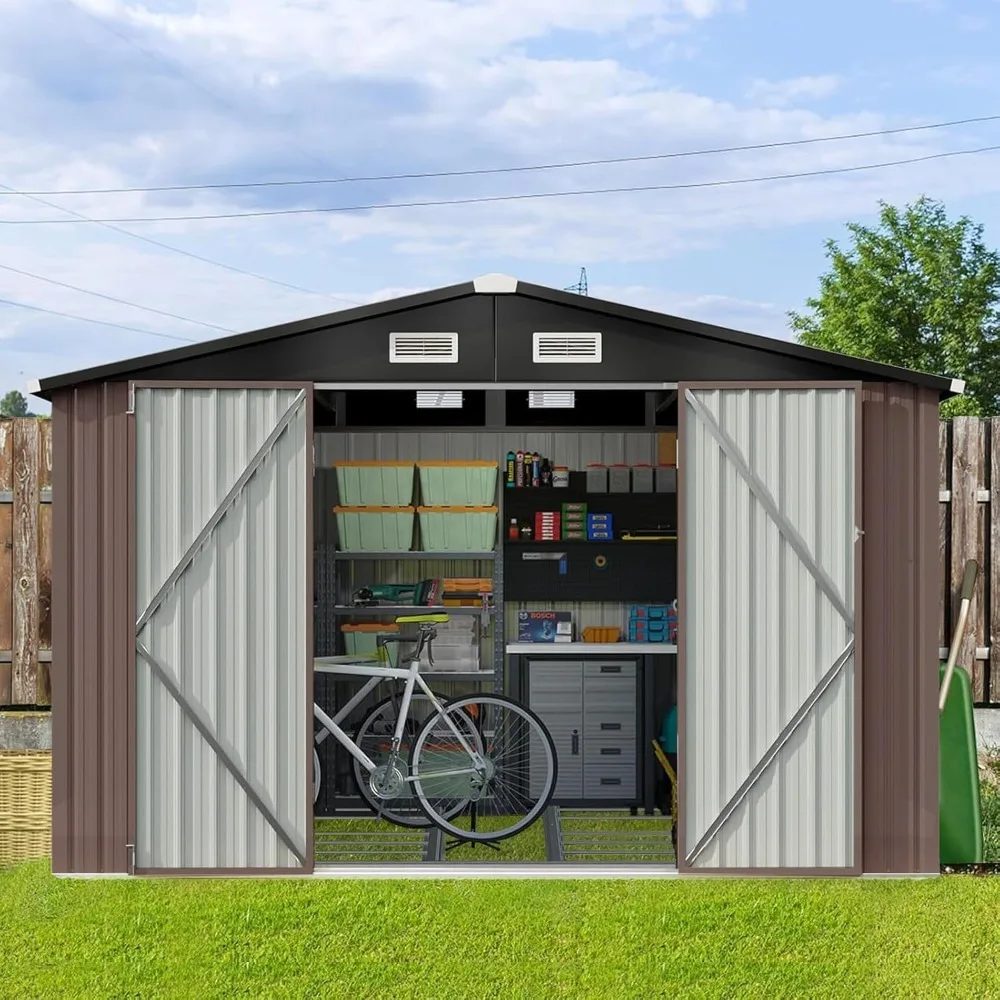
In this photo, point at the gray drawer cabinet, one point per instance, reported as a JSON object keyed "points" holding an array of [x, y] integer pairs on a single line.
{"points": [[589, 707]]}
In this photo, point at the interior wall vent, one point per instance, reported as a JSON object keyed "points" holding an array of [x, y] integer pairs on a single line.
{"points": [[548, 399], [435, 399], [423, 348], [566, 348]]}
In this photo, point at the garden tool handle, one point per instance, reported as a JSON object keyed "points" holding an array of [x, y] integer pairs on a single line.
{"points": [[968, 589]]}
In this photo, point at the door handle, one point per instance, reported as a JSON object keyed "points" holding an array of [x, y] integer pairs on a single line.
{"points": [[611, 725], [610, 751], [575, 743]]}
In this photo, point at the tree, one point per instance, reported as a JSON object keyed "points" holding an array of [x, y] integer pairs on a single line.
{"points": [[13, 405], [916, 291]]}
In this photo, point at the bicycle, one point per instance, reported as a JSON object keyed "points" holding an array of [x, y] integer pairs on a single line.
{"points": [[456, 764]]}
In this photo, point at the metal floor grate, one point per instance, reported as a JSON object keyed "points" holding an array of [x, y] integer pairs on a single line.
{"points": [[607, 835], [366, 841]]}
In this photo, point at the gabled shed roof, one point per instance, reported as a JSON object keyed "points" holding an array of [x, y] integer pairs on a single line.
{"points": [[492, 284]]}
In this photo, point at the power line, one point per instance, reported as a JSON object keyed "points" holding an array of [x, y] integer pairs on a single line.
{"points": [[111, 298], [535, 167], [488, 199], [177, 250], [158, 243], [99, 322]]}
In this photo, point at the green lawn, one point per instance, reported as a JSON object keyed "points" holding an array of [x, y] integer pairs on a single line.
{"points": [[494, 938]]}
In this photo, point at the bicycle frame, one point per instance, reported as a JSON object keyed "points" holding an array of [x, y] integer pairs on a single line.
{"points": [[377, 674]]}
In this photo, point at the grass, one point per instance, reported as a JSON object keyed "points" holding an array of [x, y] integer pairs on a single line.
{"points": [[332, 834], [989, 769], [494, 938]]}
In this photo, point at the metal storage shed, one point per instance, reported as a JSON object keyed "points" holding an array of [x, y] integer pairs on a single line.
{"points": [[808, 558]]}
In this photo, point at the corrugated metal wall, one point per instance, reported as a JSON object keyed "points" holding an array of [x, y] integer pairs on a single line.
{"points": [[92, 632], [759, 634], [232, 633], [902, 587]]}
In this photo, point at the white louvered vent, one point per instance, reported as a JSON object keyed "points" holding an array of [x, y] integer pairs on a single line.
{"points": [[438, 399], [548, 399], [423, 348], [566, 348]]}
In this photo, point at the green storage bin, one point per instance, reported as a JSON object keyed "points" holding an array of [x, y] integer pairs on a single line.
{"points": [[458, 484], [375, 529], [457, 529], [362, 640], [374, 484]]}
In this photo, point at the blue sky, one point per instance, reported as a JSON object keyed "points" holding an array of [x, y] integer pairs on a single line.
{"points": [[111, 93]]}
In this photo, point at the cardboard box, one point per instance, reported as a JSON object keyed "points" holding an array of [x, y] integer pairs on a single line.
{"points": [[544, 626], [667, 448]]}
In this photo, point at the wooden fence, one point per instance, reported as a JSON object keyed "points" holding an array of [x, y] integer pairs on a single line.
{"points": [[25, 561], [970, 529]]}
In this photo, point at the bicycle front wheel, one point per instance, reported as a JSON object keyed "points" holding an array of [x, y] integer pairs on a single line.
{"points": [[513, 783]]}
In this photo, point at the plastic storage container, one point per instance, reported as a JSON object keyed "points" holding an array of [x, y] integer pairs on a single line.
{"points": [[374, 484], [453, 656], [619, 479], [458, 529], [597, 479], [601, 633], [642, 479], [362, 639], [375, 529], [666, 478], [458, 484]]}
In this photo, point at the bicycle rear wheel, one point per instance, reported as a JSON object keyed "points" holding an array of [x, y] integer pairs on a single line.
{"points": [[517, 780], [374, 738]]}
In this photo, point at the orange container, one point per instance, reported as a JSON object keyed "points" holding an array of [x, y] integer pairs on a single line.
{"points": [[601, 633]]}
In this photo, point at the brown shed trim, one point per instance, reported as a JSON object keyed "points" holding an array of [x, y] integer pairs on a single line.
{"points": [[857, 867], [309, 866], [90, 674], [902, 596]]}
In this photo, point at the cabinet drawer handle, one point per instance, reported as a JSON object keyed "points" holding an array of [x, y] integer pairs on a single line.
{"points": [[611, 725], [611, 781], [610, 751], [611, 668]]}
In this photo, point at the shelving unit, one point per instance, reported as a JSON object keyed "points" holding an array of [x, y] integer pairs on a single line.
{"points": [[490, 612]]}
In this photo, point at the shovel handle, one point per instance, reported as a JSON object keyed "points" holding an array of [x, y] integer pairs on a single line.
{"points": [[969, 580], [968, 589]]}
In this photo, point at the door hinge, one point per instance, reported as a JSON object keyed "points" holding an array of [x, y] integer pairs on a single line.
{"points": [[130, 851], [131, 400]]}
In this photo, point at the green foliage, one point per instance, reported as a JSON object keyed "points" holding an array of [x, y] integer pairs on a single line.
{"points": [[13, 404], [917, 291]]}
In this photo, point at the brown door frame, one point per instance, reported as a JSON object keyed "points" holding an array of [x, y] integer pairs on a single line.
{"points": [[309, 866], [857, 868]]}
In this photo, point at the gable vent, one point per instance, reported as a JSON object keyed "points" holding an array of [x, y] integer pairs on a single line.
{"points": [[423, 348], [566, 348]]}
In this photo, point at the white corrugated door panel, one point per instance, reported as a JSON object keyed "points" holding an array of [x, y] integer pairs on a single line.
{"points": [[769, 532], [221, 491]]}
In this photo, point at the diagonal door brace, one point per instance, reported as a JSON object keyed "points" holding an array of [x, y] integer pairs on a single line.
{"points": [[772, 752], [226, 755], [220, 511], [763, 495]]}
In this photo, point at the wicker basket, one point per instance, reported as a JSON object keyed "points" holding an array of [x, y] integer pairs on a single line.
{"points": [[25, 806]]}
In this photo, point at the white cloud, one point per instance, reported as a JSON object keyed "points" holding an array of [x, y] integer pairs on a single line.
{"points": [[345, 88], [782, 93]]}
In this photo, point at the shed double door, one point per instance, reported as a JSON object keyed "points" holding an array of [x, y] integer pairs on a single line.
{"points": [[770, 558], [589, 707]]}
